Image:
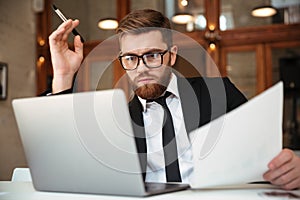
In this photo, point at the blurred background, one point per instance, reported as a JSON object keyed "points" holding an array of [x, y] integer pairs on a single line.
{"points": [[255, 43]]}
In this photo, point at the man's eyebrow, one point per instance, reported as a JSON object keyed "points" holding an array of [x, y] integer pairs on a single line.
{"points": [[148, 51]]}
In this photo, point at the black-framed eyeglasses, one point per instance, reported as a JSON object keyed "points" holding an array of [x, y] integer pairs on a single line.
{"points": [[151, 60]]}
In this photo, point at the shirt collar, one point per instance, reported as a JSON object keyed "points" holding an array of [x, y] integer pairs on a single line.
{"points": [[172, 87]]}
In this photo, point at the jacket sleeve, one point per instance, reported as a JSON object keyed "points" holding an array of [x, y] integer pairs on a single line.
{"points": [[49, 92], [234, 96]]}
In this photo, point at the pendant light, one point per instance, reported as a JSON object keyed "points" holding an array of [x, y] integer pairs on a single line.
{"points": [[263, 11], [182, 18], [108, 24]]}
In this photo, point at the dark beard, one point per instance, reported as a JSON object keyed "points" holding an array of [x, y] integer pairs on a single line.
{"points": [[150, 91], [154, 90]]}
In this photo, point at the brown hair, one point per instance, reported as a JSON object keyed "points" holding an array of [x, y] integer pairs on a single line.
{"points": [[141, 21]]}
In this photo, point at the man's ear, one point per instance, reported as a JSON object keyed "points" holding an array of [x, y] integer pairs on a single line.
{"points": [[173, 52]]}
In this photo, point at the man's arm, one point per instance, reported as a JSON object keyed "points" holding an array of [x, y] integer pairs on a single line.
{"points": [[65, 61]]}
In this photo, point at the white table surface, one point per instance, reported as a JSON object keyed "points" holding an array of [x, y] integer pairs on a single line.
{"points": [[25, 191]]}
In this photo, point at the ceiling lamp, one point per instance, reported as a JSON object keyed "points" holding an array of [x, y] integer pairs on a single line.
{"points": [[184, 3], [263, 11], [182, 18], [108, 24]]}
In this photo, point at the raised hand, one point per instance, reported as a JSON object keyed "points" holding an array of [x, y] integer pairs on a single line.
{"points": [[65, 61]]}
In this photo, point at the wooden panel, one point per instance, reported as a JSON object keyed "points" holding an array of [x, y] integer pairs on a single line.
{"points": [[268, 56], [260, 69], [261, 74], [212, 13], [225, 50], [44, 69], [123, 8], [265, 34]]}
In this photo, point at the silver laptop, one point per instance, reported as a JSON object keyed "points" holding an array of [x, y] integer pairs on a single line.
{"points": [[83, 143]]}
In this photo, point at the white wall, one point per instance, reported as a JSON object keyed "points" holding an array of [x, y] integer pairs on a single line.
{"points": [[17, 48]]}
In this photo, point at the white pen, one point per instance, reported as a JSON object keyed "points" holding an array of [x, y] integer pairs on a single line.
{"points": [[63, 18]]}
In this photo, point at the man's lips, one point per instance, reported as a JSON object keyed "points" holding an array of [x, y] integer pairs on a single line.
{"points": [[145, 80]]}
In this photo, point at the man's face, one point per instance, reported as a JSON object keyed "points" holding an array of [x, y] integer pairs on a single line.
{"points": [[148, 83]]}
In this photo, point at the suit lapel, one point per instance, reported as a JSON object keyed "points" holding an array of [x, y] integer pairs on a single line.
{"points": [[136, 113], [190, 104]]}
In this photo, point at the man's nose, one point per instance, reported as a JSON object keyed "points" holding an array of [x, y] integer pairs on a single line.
{"points": [[141, 66]]}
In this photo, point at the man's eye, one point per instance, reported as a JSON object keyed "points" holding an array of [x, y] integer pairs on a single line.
{"points": [[130, 58], [152, 55]]}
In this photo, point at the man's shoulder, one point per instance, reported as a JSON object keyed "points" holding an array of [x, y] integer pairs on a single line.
{"points": [[212, 85], [207, 81], [201, 79], [134, 103]]}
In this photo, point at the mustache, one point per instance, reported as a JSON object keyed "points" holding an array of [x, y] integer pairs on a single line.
{"points": [[144, 75]]}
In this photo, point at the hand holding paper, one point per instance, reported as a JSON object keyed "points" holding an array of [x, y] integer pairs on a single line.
{"points": [[284, 170], [250, 137]]}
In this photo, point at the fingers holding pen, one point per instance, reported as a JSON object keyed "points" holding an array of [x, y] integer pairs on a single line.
{"points": [[62, 32], [72, 24], [58, 33]]}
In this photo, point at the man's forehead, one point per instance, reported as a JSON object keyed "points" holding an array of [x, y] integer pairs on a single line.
{"points": [[144, 33], [142, 41]]}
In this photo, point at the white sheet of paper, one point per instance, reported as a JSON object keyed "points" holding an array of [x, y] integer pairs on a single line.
{"points": [[237, 147]]}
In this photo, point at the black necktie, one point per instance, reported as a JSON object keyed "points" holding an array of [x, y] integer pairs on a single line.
{"points": [[169, 142]]}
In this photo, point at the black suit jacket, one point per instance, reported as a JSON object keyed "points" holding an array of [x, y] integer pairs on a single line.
{"points": [[202, 99]]}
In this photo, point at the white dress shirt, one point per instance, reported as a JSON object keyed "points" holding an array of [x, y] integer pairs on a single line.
{"points": [[153, 114]]}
